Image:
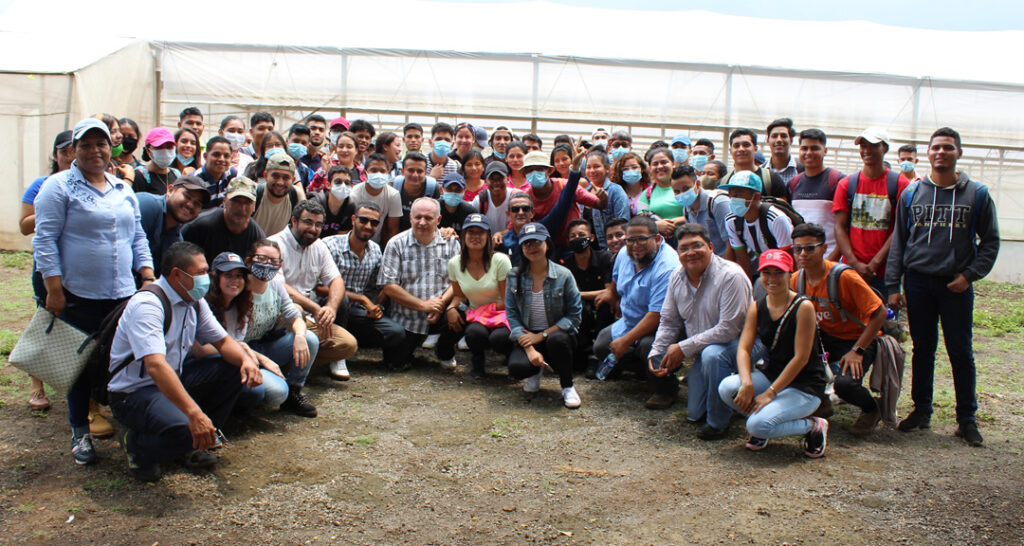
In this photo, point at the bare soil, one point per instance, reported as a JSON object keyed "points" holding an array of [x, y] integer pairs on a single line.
{"points": [[430, 457]]}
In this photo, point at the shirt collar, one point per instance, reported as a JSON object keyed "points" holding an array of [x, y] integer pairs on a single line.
{"points": [[172, 294]]}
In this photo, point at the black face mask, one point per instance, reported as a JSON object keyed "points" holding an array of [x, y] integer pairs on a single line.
{"points": [[579, 244], [128, 145]]}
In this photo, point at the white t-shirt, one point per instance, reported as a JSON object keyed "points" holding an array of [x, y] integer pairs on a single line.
{"points": [[389, 201], [305, 267], [753, 240], [497, 215]]}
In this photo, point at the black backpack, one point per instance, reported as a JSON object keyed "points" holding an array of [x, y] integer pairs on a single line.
{"points": [[892, 187], [98, 365], [767, 202]]}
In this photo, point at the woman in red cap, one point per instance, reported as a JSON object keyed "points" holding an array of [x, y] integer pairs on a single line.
{"points": [[780, 398]]}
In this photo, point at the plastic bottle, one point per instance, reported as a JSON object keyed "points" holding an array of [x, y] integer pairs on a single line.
{"points": [[606, 366]]}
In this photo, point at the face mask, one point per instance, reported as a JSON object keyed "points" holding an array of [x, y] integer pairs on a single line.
{"points": [[738, 206], [185, 160], [906, 166], [128, 145], [499, 155], [162, 158], [631, 177], [200, 284], [452, 199], [699, 162], [333, 137], [298, 151], [442, 148], [117, 150], [236, 140], [619, 152], [377, 180], [537, 179], [340, 191], [271, 152], [686, 198], [680, 155], [579, 244], [264, 272]]}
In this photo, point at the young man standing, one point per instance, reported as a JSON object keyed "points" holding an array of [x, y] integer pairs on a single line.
{"points": [[746, 221], [908, 162], [743, 148], [813, 191], [377, 189], [946, 238], [780, 141], [412, 137], [438, 163]]}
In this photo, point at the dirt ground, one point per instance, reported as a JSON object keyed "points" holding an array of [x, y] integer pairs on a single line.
{"points": [[430, 457]]}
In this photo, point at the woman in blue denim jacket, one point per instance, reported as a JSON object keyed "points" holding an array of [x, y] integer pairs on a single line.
{"points": [[544, 308]]}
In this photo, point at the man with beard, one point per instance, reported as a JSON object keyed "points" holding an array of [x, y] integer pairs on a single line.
{"points": [[276, 198], [639, 282], [705, 306], [306, 264], [358, 259], [317, 136], [230, 229], [164, 215]]}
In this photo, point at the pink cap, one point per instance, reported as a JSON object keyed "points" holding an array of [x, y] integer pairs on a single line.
{"points": [[776, 258], [340, 121], [158, 136]]}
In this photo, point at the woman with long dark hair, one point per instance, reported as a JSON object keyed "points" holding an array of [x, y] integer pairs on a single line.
{"points": [[187, 159]]}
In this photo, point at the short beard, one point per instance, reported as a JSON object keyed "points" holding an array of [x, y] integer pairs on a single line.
{"points": [[642, 261]]}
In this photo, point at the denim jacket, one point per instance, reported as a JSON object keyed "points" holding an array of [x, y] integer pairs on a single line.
{"points": [[561, 300]]}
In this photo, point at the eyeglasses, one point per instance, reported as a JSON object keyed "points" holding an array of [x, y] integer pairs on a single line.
{"points": [[638, 240], [374, 222], [798, 249], [520, 208], [695, 247], [310, 222], [261, 259]]}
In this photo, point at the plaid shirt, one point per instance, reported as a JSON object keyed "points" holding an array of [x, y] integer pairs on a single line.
{"points": [[422, 270], [360, 275]]}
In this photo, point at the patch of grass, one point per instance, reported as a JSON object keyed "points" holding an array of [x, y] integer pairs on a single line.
{"points": [[366, 440], [502, 428], [7, 341], [17, 260], [120, 508], [1007, 321], [23, 507], [73, 508]]}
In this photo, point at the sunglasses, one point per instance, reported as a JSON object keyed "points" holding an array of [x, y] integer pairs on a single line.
{"points": [[798, 249], [372, 221], [520, 208]]}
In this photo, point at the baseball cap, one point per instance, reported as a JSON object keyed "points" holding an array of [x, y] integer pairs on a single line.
{"points": [[339, 121], [476, 220], [682, 138], [89, 124], [158, 136], [192, 182], [63, 140], [495, 167], [241, 186], [536, 159], [744, 179], [776, 258], [873, 135], [228, 261], [280, 162], [453, 178], [533, 231], [480, 134]]}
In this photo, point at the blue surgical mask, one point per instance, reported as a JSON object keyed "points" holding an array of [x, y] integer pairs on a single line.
{"points": [[686, 198], [442, 148], [698, 162], [680, 155], [200, 285], [537, 179], [298, 151], [906, 166], [236, 140], [185, 160], [162, 158], [619, 152], [631, 177], [377, 181], [738, 206], [498, 154], [452, 199], [271, 152]]}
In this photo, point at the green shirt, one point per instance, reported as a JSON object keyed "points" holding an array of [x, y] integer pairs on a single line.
{"points": [[663, 202], [485, 289]]}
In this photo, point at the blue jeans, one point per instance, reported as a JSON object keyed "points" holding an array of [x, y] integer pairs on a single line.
{"points": [[160, 429], [280, 351], [928, 303], [270, 394], [786, 415], [712, 365]]}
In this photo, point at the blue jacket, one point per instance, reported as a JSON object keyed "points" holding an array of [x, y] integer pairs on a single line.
{"points": [[561, 300]]}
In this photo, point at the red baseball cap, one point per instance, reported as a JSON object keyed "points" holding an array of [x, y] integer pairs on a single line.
{"points": [[776, 258], [340, 121]]}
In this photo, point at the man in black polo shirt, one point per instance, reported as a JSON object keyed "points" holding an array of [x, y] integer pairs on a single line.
{"points": [[217, 172], [230, 229], [592, 269]]}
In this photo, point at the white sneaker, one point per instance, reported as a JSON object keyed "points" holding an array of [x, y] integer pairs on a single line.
{"points": [[571, 399], [431, 341], [339, 370], [532, 383], [448, 364], [463, 346]]}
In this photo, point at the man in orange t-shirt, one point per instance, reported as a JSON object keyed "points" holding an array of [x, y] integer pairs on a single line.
{"points": [[847, 333]]}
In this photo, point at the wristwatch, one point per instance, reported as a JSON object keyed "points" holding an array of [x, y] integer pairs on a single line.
{"points": [[544, 334], [858, 350]]}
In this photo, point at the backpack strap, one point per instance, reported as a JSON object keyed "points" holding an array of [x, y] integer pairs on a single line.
{"points": [[259, 196], [484, 198], [833, 179], [649, 190], [293, 196], [796, 180], [801, 283], [766, 232], [832, 283], [907, 199], [168, 316], [892, 187]]}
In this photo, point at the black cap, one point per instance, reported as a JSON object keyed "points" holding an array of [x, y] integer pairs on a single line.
{"points": [[228, 261], [63, 140], [495, 167]]}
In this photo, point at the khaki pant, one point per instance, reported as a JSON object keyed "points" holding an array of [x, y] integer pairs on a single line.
{"points": [[339, 345]]}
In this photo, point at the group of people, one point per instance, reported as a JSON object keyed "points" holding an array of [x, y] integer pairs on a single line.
{"points": [[252, 257]]}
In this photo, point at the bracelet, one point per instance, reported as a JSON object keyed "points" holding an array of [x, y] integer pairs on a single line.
{"points": [[776, 393], [148, 279]]}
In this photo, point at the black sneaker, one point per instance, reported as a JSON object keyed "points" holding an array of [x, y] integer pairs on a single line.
{"points": [[756, 444], [198, 459], [142, 473], [298, 404], [969, 432], [708, 432], [82, 450], [916, 420], [817, 439]]}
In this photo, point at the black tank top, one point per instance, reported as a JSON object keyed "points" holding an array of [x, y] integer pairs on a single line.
{"points": [[811, 378]]}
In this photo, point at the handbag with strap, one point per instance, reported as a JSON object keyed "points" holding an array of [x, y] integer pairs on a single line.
{"points": [[52, 350]]}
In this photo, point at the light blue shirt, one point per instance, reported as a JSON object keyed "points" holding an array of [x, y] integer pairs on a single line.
{"points": [[618, 207], [92, 239], [643, 291], [140, 332], [711, 215]]}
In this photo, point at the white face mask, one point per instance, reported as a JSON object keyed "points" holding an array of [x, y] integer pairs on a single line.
{"points": [[237, 140], [163, 158], [340, 191]]}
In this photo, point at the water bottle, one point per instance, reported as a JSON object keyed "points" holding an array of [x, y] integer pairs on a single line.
{"points": [[889, 313], [606, 366]]}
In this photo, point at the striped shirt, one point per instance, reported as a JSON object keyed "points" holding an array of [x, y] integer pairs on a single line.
{"points": [[422, 270]]}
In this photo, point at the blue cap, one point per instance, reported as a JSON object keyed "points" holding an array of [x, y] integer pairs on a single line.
{"points": [[228, 261], [480, 134], [759, 158], [453, 178], [744, 179], [682, 138], [476, 220], [88, 124], [533, 231]]}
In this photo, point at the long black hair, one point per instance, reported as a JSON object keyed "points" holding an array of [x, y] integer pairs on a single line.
{"points": [[488, 251]]}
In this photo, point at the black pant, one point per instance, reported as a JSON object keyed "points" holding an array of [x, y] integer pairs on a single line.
{"points": [[850, 389], [593, 320], [636, 359], [401, 354], [557, 350], [480, 337]]}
